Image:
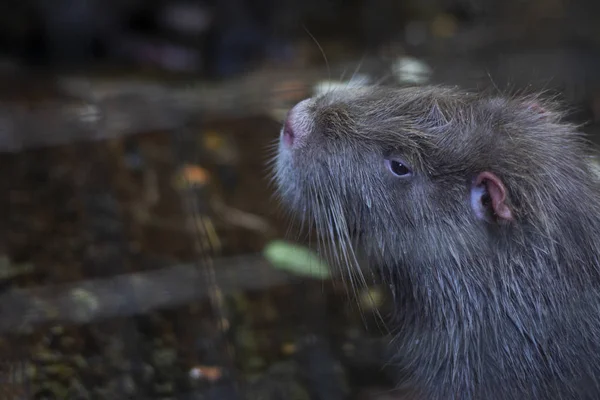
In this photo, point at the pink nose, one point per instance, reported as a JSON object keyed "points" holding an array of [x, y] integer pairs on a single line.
{"points": [[288, 135], [295, 128]]}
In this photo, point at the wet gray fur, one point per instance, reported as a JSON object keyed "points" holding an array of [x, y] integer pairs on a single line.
{"points": [[485, 310]]}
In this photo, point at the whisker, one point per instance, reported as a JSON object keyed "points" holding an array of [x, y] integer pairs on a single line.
{"points": [[320, 49], [383, 78], [360, 63], [343, 74]]}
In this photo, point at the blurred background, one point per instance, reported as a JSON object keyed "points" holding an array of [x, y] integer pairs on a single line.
{"points": [[142, 253]]}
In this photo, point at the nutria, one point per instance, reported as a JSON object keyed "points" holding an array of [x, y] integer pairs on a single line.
{"points": [[483, 213]]}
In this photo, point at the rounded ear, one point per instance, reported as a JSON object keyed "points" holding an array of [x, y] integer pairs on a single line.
{"points": [[488, 198]]}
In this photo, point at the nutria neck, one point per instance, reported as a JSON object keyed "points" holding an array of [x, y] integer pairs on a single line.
{"points": [[528, 276]]}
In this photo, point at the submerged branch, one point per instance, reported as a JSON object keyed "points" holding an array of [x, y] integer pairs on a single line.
{"points": [[21, 310]]}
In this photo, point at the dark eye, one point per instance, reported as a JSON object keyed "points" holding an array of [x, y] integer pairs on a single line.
{"points": [[398, 168]]}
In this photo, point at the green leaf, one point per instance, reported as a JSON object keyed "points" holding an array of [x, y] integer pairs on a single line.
{"points": [[296, 259]]}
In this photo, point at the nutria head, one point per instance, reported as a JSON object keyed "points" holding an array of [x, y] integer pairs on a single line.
{"points": [[482, 210], [433, 172]]}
